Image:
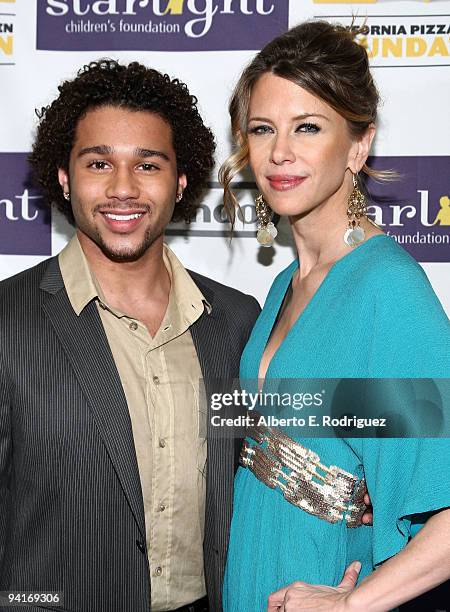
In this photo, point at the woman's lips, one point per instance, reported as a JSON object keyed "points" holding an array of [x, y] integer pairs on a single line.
{"points": [[284, 182]]}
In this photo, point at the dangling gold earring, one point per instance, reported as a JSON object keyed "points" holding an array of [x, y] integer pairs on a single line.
{"points": [[356, 208], [266, 231]]}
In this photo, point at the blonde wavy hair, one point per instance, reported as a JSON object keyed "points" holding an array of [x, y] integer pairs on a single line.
{"points": [[327, 61]]}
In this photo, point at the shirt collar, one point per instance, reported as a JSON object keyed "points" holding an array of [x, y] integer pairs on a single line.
{"points": [[82, 287], [80, 283], [184, 291]]}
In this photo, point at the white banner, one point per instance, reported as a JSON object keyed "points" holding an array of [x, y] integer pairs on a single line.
{"points": [[206, 43]]}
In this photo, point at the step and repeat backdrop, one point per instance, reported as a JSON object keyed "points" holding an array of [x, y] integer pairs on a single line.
{"points": [[206, 43]]}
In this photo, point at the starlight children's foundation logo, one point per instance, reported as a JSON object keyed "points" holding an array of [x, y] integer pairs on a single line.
{"points": [[25, 225], [160, 25], [414, 210]]}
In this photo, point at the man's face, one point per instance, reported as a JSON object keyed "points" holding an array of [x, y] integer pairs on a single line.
{"points": [[122, 180]]}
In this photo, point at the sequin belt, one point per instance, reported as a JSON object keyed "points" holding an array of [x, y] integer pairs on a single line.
{"points": [[280, 462]]}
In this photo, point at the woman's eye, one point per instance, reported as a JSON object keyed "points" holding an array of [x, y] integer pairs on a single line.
{"points": [[260, 129], [310, 128]]}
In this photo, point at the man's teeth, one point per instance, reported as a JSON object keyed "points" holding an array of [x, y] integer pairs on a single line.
{"points": [[123, 217]]}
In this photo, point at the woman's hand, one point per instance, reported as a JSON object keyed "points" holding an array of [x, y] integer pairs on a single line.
{"points": [[367, 517], [303, 596], [420, 566]]}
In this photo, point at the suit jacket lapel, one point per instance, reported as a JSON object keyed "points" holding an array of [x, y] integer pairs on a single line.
{"points": [[86, 346], [212, 343]]}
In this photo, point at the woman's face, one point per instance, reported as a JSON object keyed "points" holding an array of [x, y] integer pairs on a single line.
{"points": [[299, 147]]}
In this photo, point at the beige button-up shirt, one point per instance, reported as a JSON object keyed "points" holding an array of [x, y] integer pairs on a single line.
{"points": [[160, 377]]}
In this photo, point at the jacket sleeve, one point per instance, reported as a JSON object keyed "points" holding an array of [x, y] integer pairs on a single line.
{"points": [[5, 457]]}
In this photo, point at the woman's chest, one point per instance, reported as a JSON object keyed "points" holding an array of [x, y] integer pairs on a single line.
{"points": [[330, 339]]}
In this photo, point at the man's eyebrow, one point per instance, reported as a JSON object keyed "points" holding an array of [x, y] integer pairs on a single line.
{"points": [[99, 150], [107, 150], [150, 153]]}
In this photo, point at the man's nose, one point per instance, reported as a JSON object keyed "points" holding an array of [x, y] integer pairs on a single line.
{"points": [[123, 185]]}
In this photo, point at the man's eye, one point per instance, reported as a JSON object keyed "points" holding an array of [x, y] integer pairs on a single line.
{"points": [[148, 167], [260, 129], [97, 164], [310, 128]]}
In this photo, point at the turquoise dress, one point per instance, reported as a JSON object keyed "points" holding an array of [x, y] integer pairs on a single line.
{"points": [[374, 315]]}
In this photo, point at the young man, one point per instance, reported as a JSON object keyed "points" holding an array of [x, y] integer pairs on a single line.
{"points": [[108, 492]]}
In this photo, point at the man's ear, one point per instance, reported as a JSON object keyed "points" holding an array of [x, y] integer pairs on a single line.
{"points": [[182, 184], [63, 179], [360, 150]]}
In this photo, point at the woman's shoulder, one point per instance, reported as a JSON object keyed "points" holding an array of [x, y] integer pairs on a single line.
{"points": [[393, 273], [385, 256], [410, 329]]}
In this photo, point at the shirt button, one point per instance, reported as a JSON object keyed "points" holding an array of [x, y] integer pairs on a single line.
{"points": [[162, 443], [156, 380], [162, 507], [158, 571], [133, 326]]}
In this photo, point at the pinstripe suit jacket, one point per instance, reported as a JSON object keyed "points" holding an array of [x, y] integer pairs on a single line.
{"points": [[71, 509]]}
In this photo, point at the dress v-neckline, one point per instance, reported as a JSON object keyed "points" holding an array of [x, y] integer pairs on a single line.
{"points": [[274, 320], [304, 313]]}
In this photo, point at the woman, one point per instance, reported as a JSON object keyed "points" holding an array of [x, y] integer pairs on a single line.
{"points": [[353, 305]]}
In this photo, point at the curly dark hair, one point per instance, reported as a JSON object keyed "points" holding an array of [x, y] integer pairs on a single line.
{"points": [[108, 83]]}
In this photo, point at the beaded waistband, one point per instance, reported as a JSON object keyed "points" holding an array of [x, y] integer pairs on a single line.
{"points": [[278, 461]]}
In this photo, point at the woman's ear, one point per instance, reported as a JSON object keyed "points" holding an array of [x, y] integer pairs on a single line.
{"points": [[360, 152]]}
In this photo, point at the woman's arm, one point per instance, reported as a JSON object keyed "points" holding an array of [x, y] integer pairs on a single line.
{"points": [[421, 565]]}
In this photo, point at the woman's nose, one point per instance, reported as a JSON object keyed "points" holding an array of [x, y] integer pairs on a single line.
{"points": [[282, 150]]}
